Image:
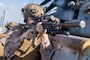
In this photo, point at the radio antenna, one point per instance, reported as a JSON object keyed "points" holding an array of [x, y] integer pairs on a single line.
{"points": [[31, 1]]}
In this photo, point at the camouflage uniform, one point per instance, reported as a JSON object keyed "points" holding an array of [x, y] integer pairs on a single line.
{"points": [[17, 49], [23, 49]]}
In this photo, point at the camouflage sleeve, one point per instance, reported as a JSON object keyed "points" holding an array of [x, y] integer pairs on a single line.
{"points": [[12, 42], [11, 47], [45, 47], [48, 47]]}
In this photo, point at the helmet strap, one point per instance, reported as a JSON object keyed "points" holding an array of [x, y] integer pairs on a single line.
{"points": [[25, 19]]}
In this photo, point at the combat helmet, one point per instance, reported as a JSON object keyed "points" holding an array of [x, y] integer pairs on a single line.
{"points": [[32, 10], [11, 25]]}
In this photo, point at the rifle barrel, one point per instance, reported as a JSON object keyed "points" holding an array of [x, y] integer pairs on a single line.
{"points": [[80, 24], [68, 24]]}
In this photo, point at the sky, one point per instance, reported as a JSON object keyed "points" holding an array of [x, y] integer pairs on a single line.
{"points": [[12, 9]]}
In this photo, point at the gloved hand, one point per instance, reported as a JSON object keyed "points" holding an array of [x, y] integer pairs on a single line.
{"points": [[40, 28], [28, 34]]}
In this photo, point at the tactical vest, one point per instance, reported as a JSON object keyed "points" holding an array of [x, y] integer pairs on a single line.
{"points": [[27, 52]]}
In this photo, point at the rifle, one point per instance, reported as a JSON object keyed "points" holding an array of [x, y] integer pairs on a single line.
{"points": [[53, 25], [61, 28]]}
